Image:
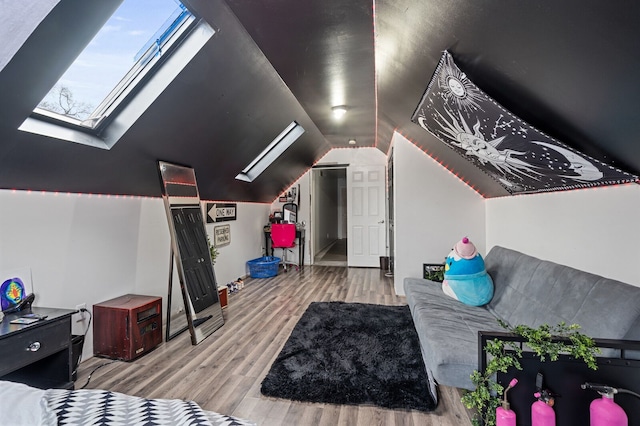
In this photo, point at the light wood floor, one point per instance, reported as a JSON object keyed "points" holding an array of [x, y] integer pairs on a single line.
{"points": [[224, 372]]}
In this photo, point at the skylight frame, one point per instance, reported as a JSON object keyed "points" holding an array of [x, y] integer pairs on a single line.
{"points": [[186, 49], [279, 145], [148, 61]]}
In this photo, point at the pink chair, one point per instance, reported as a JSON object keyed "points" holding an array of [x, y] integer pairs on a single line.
{"points": [[283, 236]]}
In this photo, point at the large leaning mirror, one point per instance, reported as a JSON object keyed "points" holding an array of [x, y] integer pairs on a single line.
{"points": [[191, 257]]}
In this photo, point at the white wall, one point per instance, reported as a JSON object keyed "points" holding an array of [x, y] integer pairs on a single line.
{"points": [[247, 241], [354, 157], [87, 248], [590, 229], [433, 211], [351, 156], [304, 213], [80, 248], [594, 230]]}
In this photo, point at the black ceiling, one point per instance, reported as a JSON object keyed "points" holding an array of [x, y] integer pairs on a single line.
{"points": [[324, 52], [569, 68]]}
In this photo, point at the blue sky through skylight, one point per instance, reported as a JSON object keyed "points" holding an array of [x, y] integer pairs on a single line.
{"points": [[113, 52]]}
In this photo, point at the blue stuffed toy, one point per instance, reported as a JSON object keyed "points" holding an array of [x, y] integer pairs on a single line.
{"points": [[465, 277]]}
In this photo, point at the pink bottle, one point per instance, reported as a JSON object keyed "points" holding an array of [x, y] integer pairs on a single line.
{"points": [[604, 411], [542, 413], [504, 415]]}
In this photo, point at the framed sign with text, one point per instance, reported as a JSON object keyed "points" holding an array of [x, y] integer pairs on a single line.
{"points": [[221, 235]]}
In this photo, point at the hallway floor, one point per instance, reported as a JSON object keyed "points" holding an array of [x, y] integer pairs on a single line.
{"points": [[335, 255]]}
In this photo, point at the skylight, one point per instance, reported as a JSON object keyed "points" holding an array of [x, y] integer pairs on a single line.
{"points": [[283, 141], [115, 61]]}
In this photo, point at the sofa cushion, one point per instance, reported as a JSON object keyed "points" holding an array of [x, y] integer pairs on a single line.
{"points": [[448, 331], [533, 292]]}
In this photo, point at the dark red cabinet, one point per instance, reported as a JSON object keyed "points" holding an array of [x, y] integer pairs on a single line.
{"points": [[127, 327]]}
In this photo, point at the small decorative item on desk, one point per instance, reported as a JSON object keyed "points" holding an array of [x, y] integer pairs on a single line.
{"points": [[433, 271], [16, 295], [277, 217]]}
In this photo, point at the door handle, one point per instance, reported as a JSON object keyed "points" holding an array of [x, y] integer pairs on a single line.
{"points": [[381, 221]]}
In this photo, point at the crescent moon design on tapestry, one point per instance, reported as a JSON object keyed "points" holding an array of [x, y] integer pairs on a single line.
{"points": [[521, 158], [585, 169]]}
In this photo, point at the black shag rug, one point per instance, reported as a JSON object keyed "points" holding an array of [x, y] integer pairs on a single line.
{"points": [[352, 353]]}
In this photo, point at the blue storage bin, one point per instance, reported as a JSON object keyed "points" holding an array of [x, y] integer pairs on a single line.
{"points": [[264, 267]]}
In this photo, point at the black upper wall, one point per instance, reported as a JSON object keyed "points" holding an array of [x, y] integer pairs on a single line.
{"points": [[568, 68]]}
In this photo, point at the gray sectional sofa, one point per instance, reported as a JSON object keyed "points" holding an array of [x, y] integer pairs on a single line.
{"points": [[528, 291]]}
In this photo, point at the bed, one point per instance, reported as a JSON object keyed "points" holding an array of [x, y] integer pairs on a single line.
{"points": [[24, 405]]}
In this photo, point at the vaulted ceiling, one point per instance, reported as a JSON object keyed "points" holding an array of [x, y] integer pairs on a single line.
{"points": [[569, 68]]}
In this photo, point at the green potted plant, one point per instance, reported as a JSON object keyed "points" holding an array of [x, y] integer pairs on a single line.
{"points": [[503, 355], [213, 251]]}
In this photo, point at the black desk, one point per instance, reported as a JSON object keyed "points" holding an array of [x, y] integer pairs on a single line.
{"points": [[37, 354], [300, 236]]}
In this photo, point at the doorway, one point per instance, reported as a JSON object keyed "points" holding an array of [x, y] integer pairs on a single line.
{"points": [[391, 216], [329, 221]]}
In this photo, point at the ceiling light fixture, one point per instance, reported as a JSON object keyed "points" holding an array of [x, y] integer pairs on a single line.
{"points": [[352, 141], [339, 111]]}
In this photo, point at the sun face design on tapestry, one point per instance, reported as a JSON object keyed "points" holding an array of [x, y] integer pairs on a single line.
{"points": [[517, 155]]}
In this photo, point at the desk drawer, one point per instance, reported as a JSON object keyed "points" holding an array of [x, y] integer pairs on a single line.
{"points": [[33, 344]]}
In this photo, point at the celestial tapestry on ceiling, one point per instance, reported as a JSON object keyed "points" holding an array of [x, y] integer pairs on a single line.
{"points": [[520, 157]]}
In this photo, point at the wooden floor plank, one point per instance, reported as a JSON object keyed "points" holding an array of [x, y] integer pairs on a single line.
{"points": [[225, 371]]}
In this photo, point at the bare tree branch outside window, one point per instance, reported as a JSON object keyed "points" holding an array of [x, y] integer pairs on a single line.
{"points": [[61, 100]]}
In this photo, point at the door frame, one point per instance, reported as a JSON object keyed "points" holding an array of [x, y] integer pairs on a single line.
{"points": [[313, 220]]}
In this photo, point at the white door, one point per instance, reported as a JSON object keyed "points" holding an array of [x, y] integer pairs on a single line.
{"points": [[366, 227]]}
